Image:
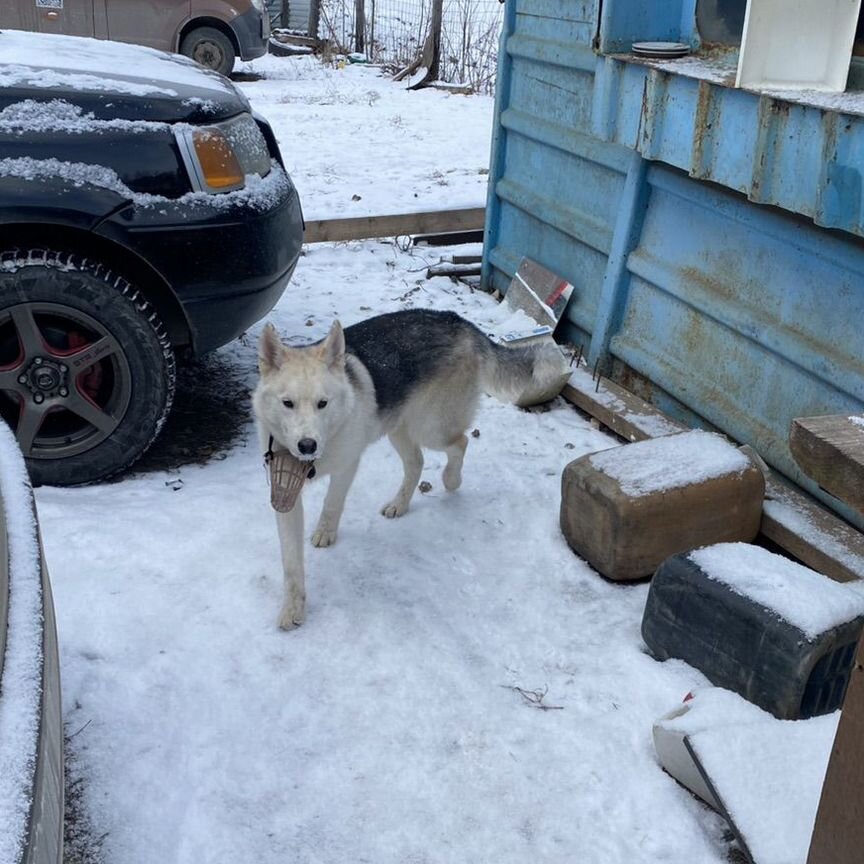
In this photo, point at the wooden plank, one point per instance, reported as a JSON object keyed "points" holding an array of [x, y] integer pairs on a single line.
{"points": [[794, 522], [394, 225], [838, 836], [810, 533], [449, 238], [456, 271], [295, 39], [620, 410], [807, 530], [830, 450]]}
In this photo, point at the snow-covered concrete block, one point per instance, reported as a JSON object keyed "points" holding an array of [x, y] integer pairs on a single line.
{"points": [[627, 509], [778, 633]]}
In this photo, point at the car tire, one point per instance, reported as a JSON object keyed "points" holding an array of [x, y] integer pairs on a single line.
{"points": [[209, 47], [87, 371]]}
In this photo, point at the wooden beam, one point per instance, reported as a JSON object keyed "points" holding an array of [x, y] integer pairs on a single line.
{"points": [[809, 532], [296, 39], [838, 836], [449, 238], [797, 524], [455, 271], [830, 450], [394, 225], [620, 410]]}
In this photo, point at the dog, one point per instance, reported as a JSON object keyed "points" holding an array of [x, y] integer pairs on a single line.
{"points": [[414, 375]]}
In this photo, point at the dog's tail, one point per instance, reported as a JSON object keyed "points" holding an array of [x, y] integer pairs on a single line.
{"points": [[525, 374]]}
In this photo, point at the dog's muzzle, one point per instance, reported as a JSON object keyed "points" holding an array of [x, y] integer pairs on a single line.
{"points": [[287, 476]]}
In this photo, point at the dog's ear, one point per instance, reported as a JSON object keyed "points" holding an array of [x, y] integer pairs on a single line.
{"points": [[271, 351], [334, 347]]}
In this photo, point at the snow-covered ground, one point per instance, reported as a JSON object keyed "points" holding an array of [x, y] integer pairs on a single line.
{"points": [[358, 145], [400, 723]]}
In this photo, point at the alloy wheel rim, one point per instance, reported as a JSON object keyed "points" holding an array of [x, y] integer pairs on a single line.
{"points": [[65, 382]]}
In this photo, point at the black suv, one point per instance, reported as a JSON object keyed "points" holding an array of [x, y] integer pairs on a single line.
{"points": [[144, 213]]}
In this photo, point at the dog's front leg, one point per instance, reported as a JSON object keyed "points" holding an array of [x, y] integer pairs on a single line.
{"points": [[290, 527], [334, 504]]}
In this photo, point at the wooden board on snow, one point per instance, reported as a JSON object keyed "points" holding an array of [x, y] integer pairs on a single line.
{"points": [[394, 225]]}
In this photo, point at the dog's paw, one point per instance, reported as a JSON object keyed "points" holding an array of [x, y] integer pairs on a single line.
{"points": [[291, 617], [452, 478], [324, 536], [395, 509]]}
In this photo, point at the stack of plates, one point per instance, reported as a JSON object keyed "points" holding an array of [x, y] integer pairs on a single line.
{"points": [[665, 50]]}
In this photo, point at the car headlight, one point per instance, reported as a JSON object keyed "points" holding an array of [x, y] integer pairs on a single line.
{"points": [[219, 157]]}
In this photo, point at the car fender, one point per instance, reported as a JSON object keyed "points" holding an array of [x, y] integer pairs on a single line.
{"points": [[59, 206], [56, 200]]}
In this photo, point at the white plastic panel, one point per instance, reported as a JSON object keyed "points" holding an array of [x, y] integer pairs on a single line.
{"points": [[797, 44]]}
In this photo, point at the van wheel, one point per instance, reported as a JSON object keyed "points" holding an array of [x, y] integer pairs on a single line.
{"points": [[209, 47], [86, 368]]}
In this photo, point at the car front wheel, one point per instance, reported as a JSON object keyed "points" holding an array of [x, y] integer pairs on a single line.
{"points": [[86, 368], [209, 47]]}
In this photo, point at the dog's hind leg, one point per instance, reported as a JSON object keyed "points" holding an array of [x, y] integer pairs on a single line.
{"points": [[334, 504], [412, 464], [290, 527], [452, 474]]}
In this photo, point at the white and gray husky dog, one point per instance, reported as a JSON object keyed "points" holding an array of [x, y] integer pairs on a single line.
{"points": [[415, 375]]}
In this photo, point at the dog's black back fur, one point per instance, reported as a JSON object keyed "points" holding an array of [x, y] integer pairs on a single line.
{"points": [[402, 349]]}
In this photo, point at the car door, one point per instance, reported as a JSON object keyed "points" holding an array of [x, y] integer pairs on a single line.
{"points": [[147, 22], [72, 17]]}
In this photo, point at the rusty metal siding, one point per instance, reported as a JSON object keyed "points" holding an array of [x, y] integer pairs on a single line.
{"points": [[737, 321], [727, 313], [544, 108], [802, 158]]}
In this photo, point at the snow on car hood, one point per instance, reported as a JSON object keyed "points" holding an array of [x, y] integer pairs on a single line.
{"points": [[93, 73]]}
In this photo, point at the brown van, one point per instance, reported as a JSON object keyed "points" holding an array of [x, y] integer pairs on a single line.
{"points": [[213, 32]]}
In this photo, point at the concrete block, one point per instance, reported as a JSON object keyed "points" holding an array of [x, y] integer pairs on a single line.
{"points": [[627, 509]]}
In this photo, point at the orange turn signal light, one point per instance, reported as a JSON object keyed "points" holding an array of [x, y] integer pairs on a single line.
{"points": [[218, 163]]}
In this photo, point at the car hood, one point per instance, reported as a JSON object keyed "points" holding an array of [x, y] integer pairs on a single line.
{"points": [[112, 80]]}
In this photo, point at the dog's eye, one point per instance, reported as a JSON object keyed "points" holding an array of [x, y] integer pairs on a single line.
{"points": [[287, 403], [322, 403]]}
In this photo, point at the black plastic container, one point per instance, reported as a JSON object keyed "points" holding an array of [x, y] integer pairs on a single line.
{"points": [[742, 646]]}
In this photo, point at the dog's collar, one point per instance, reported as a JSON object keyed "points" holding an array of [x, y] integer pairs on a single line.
{"points": [[269, 454]]}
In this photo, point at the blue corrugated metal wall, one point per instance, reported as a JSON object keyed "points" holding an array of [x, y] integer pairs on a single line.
{"points": [[726, 312]]}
